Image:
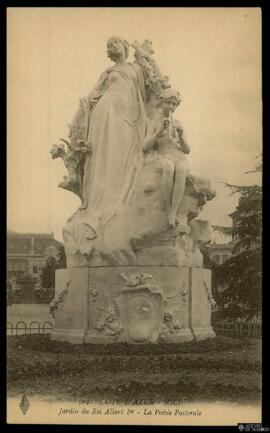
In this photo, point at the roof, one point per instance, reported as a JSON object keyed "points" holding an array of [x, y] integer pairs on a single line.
{"points": [[30, 243], [41, 235], [228, 245]]}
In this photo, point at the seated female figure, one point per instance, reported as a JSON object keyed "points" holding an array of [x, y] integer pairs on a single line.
{"points": [[165, 136]]}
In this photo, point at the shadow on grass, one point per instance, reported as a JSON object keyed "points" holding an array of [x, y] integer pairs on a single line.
{"points": [[42, 343]]}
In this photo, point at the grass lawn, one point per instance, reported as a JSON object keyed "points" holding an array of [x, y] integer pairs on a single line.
{"points": [[221, 369]]}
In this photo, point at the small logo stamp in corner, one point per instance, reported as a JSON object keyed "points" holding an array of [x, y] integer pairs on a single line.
{"points": [[252, 427], [24, 404]]}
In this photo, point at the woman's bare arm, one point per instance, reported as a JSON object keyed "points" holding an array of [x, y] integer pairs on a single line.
{"points": [[185, 147]]}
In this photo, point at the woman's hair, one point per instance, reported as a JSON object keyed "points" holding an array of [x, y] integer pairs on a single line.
{"points": [[170, 93], [124, 42]]}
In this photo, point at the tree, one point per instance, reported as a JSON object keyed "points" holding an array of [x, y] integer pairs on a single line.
{"points": [[48, 273], [247, 218], [237, 283], [47, 290], [26, 283], [9, 298], [52, 263], [61, 258]]}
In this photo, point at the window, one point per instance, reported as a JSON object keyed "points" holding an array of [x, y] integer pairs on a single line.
{"points": [[10, 245], [19, 265], [35, 269], [38, 246], [216, 258], [225, 257]]}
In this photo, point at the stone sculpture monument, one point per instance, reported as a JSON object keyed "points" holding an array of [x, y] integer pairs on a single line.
{"points": [[134, 267]]}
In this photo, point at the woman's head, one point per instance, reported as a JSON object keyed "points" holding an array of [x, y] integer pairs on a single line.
{"points": [[117, 47]]}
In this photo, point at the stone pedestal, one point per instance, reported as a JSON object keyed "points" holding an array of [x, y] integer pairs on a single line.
{"points": [[132, 304]]}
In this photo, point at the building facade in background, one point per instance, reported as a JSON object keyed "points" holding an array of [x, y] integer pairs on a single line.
{"points": [[219, 253], [27, 252]]}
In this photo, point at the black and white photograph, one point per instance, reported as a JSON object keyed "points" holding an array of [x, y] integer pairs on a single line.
{"points": [[134, 216]]}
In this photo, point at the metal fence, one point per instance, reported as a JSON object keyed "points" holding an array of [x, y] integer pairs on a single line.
{"points": [[232, 328], [238, 329], [21, 328]]}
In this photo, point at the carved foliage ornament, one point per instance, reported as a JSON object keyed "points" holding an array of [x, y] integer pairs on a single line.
{"points": [[58, 301], [110, 322]]}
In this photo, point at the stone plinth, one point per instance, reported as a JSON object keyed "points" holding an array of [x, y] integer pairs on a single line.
{"points": [[136, 305]]}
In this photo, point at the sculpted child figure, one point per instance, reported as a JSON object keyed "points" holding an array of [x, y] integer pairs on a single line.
{"points": [[166, 137]]}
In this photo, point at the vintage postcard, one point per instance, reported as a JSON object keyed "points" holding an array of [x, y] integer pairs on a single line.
{"points": [[134, 216]]}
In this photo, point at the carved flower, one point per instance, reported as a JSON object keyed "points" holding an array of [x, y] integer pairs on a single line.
{"points": [[100, 325]]}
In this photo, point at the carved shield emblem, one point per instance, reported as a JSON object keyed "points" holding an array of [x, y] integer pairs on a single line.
{"points": [[142, 314], [142, 318]]}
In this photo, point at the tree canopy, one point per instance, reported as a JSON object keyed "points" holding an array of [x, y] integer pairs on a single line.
{"points": [[238, 281], [48, 272]]}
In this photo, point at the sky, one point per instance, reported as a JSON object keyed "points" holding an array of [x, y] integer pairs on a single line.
{"points": [[56, 55]]}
